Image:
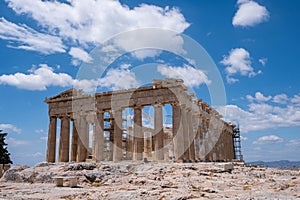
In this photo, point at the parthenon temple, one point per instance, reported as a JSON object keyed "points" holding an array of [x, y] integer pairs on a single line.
{"points": [[92, 126]]}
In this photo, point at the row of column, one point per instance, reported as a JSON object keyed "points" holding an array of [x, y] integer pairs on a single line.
{"points": [[190, 138], [193, 141], [80, 137]]}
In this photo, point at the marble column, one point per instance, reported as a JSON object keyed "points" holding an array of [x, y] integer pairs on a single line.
{"points": [[226, 149], [158, 133], [191, 135], [117, 149], [129, 144], [186, 155], [207, 141], [111, 137], [148, 145], [74, 144], [220, 151], [215, 152], [138, 140], [197, 142], [178, 145], [98, 144], [64, 140], [216, 147], [51, 146], [202, 142], [83, 136], [228, 146]]}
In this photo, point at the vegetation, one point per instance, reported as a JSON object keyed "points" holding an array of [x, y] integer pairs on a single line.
{"points": [[4, 154]]}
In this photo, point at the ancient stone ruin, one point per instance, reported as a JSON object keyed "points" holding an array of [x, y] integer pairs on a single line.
{"points": [[197, 133]]}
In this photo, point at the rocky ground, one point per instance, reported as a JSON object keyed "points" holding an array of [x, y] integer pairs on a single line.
{"points": [[128, 180]]}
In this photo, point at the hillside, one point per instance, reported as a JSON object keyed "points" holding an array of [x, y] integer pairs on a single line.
{"points": [[282, 164], [152, 180]]}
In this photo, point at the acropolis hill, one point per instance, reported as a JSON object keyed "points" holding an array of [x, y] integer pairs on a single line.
{"points": [[198, 157]]}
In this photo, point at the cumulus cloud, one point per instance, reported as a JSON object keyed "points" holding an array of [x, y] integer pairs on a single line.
{"points": [[262, 115], [250, 14], [296, 99], [238, 62], [117, 79], [280, 98], [39, 79], [191, 76], [90, 22], [142, 54], [258, 97], [149, 42], [268, 139], [79, 55], [43, 77], [9, 128], [26, 38], [263, 61]]}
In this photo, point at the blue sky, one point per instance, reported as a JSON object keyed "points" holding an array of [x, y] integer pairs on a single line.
{"points": [[254, 45]]}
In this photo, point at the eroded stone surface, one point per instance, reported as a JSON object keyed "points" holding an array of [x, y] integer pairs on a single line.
{"points": [[152, 180]]}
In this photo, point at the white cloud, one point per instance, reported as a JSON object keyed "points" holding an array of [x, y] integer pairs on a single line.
{"points": [[39, 79], [43, 77], [115, 79], [15, 142], [242, 1], [250, 13], [149, 42], [24, 37], [119, 79], [296, 99], [258, 97], [280, 98], [90, 21], [295, 142], [40, 131], [243, 138], [37, 154], [268, 139], [238, 62], [9, 128], [262, 115], [79, 55], [263, 61], [191, 76], [142, 54], [44, 138]]}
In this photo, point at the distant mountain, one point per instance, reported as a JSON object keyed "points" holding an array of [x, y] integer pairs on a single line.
{"points": [[283, 164]]}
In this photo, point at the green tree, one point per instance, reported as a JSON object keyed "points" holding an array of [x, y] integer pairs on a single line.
{"points": [[4, 154]]}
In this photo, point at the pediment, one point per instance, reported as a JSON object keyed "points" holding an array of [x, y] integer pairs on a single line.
{"points": [[66, 94]]}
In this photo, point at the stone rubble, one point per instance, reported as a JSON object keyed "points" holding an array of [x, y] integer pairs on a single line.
{"points": [[151, 180]]}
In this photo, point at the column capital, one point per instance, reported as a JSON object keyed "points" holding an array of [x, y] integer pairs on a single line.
{"points": [[175, 104], [100, 111], [157, 105], [63, 117], [138, 107]]}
